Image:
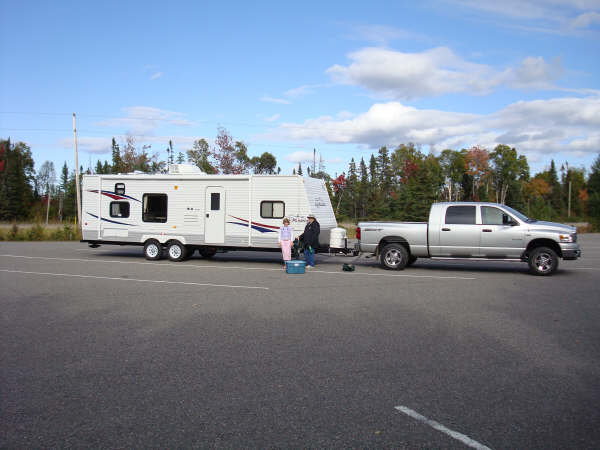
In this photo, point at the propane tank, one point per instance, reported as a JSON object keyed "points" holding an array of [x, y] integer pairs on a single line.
{"points": [[337, 238]]}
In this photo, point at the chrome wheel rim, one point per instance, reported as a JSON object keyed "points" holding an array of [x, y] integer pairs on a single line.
{"points": [[543, 262], [174, 251], [393, 258], [152, 250]]}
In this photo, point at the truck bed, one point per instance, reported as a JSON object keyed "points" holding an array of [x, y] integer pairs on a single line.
{"points": [[414, 233]]}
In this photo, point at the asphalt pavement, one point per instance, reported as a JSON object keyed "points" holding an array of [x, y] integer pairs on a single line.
{"points": [[101, 348]]}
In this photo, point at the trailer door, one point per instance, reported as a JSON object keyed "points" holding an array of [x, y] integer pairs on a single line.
{"points": [[214, 220]]}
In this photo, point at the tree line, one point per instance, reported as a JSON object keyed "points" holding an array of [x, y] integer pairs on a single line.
{"points": [[399, 184], [403, 183]]}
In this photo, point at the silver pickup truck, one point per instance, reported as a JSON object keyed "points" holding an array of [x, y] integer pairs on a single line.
{"points": [[470, 230]]}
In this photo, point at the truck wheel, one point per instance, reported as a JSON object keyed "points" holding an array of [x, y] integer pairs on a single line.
{"points": [[207, 252], [176, 251], [394, 257], [411, 260], [152, 250], [543, 261]]}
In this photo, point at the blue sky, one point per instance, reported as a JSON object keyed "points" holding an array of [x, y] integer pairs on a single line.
{"points": [[341, 77]]}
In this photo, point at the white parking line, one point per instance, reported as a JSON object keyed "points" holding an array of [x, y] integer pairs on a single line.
{"points": [[438, 426], [133, 279], [222, 267], [397, 275]]}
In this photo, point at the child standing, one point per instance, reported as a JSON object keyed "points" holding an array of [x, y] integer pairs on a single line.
{"points": [[286, 239]]}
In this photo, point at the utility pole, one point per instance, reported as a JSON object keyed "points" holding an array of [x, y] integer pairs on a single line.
{"points": [[77, 172], [314, 158], [569, 213], [48, 207]]}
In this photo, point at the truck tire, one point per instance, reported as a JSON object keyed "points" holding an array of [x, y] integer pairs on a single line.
{"points": [[207, 252], [543, 261], [152, 250], [176, 251], [394, 257]]}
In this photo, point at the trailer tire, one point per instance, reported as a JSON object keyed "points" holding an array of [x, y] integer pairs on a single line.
{"points": [[394, 257], [543, 261], [207, 252], [152, 250], [176, 251]]}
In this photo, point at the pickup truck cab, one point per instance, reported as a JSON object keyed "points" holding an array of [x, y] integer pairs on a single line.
{"points": [[471, 230]]}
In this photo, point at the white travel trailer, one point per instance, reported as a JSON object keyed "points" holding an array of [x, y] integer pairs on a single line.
{"points": [[187, 210]]}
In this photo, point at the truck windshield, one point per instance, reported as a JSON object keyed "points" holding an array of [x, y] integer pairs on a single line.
{"points": [[521, 217]]}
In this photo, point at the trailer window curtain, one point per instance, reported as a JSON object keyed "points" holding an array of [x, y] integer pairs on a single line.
{"points": [[119, 209], [272, 210], [154, 208]]}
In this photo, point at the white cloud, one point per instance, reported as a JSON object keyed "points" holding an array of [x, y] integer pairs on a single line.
{"points": [[103, 145], [291, 94], [144, 120], [300, 91], [549, 16], [156, 75], [535, 73], [95, 145], [436, 72], [300, 157], [585, 20], [272, 118], [534, 127], [383, 34], [281, 101]]}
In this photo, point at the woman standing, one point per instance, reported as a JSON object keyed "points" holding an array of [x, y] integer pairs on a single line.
{"points": [[286, 239]]}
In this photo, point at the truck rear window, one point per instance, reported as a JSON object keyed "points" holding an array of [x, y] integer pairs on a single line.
{"points": [[460, 215]]}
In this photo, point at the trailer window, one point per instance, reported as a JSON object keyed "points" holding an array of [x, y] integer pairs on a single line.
{"points": [[119, 209], [460, 215], [215, 201], [272, 210], [120, 188], [154, 208]]}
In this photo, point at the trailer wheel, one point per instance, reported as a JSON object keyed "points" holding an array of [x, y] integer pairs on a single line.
{"points": [[394, 257], [543, 261], [176, 251], [207, 252], [152, 250]]}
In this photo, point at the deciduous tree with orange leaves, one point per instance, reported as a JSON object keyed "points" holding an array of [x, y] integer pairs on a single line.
{"points": [[477, 161]]}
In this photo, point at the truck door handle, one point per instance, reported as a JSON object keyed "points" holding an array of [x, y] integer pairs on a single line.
{"points": [[445, 229], [486, 230]]}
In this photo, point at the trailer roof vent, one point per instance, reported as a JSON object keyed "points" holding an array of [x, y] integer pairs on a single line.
{"points": [[180, 169]]}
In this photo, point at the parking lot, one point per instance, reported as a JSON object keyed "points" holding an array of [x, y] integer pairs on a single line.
{"points": [[101, 348]]}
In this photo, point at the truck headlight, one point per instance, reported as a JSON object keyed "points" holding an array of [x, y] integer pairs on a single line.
{"points": [[566, 237]]}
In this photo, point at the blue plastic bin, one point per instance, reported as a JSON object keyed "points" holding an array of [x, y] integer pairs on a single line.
{"points": [[295, 266]]}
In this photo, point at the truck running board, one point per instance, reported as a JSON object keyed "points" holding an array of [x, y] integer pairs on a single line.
{"points": [[450, 258]]}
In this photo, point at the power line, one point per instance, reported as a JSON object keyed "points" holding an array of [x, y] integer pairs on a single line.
{"points": [[190, 122]]}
